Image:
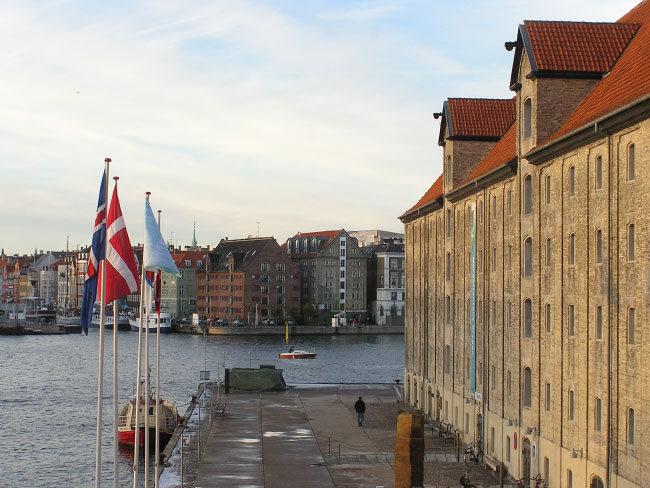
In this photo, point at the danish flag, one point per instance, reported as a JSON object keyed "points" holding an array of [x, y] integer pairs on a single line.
{"points": [[121, 270]]}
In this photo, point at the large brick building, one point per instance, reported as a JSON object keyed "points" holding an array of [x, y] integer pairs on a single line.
{"points": [[527, 261], [248, 278]]}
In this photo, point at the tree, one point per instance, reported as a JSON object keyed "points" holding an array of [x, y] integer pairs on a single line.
{"points": [[294, 313], [308, 312], [275, 311]]}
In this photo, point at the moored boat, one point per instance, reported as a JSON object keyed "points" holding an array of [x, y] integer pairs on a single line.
{"points": [[122, 320], [168, 420], [297, 354], [152, 322]]}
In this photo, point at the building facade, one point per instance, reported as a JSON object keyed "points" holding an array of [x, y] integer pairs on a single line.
{"points": [[178, 293], [526, 261], [333, 271], [250, 280], [388, 306]]}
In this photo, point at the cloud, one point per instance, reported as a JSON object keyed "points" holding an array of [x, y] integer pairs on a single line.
{"points": [[360, 14]]}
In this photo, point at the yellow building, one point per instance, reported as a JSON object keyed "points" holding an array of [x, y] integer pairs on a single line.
{"points": [[528, 265]]}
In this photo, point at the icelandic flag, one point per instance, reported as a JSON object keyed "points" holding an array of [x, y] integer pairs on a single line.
{"points": [[94, 260], [121, 270], [155, 255]]}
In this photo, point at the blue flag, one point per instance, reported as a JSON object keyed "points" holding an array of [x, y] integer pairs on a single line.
{"points": [[155, 255], [96, 256]]}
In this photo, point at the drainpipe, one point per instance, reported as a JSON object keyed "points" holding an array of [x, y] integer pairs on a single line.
{"points": [[609, 286]]}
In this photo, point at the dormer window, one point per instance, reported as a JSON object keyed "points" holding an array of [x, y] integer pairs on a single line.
{"points": [[448, 171], [528, 118]]}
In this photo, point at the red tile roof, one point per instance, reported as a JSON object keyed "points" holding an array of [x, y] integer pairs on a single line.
{"points": [[503, 152], [330, 234], [629, 79], [480, 117], [193, 256], [591, 47], [431, 195]]}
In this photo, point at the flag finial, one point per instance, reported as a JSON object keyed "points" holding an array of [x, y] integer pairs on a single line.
{"points": [[107, 160]]}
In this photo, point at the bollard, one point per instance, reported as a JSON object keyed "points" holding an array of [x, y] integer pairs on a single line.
{"points": [[409, 450]]}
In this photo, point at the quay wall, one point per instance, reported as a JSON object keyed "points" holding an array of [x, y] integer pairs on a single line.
{"points": [[296, 330]]}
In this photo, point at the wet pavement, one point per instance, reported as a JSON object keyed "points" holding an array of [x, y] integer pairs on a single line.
{"points": [[308, 436]]}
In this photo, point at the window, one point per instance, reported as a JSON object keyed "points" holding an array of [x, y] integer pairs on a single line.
{"points": [[279, 267], [572, 181], [528, 257], [448, 267], [509, 257], [599, 246], [630, 426], [597, 483], [528, 388], [572, 249], [598, 416], [630, 242], [631, 170], [448, 309], [509, 202], [447, 359], [448, 171], [509, 314], [571, 320], [599, 172], [448, 223], [569, 479], [599, 322], [548, 189], [509, 383], [508, 448], [265, 266], [631, 330], [547, 469], [528, 118], [491, 439], [264, 289], [547, 399], [528, 318], [494, 378], [279, 289], [528, 194], [548, 251], [571, 405], [494, 207], [548, 317]]}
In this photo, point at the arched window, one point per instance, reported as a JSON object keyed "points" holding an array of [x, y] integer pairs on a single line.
{"points": [[631, 169], [572, 181], [599, 322], [448, 222], [528, 118], [631, 327], [547, 470], [448, 309], [547, 400], [571, 319], [507, 448], [528, 318], [494, 207], [571, 405], [528, 257], [448, 267], [548, 251], [569, 479], [548, 317], [599, 246], [596, 482], [630, 242], [528, 194], [528, 388], [599, 172], [548, 189], [598, 415], [572, 249], [630, 426]]}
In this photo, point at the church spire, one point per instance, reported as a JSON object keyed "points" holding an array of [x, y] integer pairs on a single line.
{"points": [[195, 246]]}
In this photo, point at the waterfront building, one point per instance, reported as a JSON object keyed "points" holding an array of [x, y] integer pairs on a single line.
{"points": [[334, 275], [248, 278], [386, 283], [527, 264], [178, 293]]}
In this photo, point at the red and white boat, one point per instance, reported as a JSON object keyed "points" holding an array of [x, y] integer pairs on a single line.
{"points": [[169, 419], [297, 354]]}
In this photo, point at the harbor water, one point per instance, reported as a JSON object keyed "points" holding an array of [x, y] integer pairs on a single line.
{"points": [[48, 390]]}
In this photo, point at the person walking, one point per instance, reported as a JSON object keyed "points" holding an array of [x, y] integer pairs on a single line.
{"points": [[360, 408]]}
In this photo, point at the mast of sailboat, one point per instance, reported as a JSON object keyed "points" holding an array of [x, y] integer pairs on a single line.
{"points": [[138, 390], [100, 374]]}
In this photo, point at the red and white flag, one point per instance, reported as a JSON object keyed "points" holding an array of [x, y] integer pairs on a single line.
{"points": [[121, 270]]}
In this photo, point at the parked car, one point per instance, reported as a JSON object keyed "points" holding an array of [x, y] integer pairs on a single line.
{"points": [[268, 322], [291, 322], [238, 322], [222, 322]]}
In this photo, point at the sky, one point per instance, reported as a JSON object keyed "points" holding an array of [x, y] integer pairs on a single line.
{"points": [[246, 117]]}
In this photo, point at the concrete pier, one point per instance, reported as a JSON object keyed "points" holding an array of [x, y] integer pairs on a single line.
{"points": [[308, 436]]}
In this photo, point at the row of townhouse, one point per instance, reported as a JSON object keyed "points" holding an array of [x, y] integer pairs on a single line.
{"points": [[527, 261]]}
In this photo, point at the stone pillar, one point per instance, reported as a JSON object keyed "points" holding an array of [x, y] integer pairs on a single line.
{"points": [[409, 450]]}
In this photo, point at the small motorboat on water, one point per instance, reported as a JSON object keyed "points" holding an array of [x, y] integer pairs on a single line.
{"points": [[168, 421], [297, 354], [152, 321]]}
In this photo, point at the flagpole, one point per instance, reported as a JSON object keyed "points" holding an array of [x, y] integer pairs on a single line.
{"points": [[100, 374], [116, 471], [157, 306], [136, 450], [146, 396]]}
